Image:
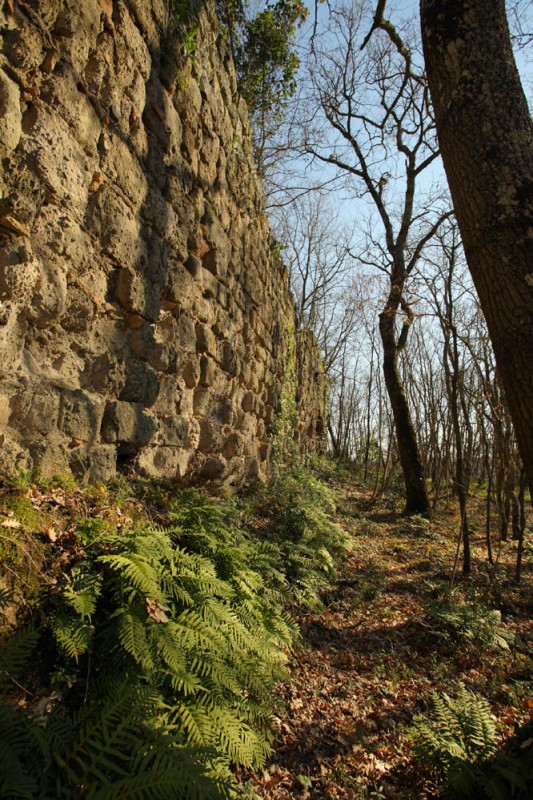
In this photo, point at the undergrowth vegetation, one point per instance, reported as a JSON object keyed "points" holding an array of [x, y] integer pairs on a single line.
{"points": [[297, 509], [146, 664], [412, 681], [467, 624], [459, 741]]}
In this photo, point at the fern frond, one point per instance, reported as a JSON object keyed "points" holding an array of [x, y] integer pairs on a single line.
{"points": [[15, 651], [82, 590], [136, 571], [132, 634], [73, 636], [242, 745], [460, 731], [23, 754]]}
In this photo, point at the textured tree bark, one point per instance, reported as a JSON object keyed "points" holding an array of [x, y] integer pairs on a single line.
{"points": [[486, 139], [416, 497]]}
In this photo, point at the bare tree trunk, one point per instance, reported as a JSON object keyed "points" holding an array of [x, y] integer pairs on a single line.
{"points": [[416, 497], [368, 410], [486, 140], [522, 526]]}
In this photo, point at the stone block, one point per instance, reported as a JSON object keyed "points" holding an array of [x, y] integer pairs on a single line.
{"points": [[12, 331], [106, 375], [51, 455], [122, 166], [223, 410], [204, 310], [191, 372], [150, 19], [20, 274], [172, 431], [232, 446], [36, 412], [5, 410], [80, 415], [200, 401], [205, 340], [208, 371], [13, 455], [102, 464], [93, 463], [245, 374], [127, 423], [216, 262], [79, 313], [67, 178], [211, 439], [132, 50], [159, 462], [137, 295], [230, 360], [193, 265], [248, 402], [10, 115], [141, 385], [212, 469], [179, 292], [116, 226], [61, 91]]}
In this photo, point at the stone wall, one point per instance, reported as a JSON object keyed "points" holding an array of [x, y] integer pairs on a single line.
{"points": [[144, 321]]}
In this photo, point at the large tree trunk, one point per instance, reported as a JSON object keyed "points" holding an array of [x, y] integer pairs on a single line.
{"points": [[486, 140], [417, 501]]}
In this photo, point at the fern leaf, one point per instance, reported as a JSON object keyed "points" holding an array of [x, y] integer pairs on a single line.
{"points": [[132, 636], [136, 571], [23, 754], [72, 635], [14, 653]]}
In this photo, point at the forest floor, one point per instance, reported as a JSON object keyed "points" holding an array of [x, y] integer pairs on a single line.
{"points": [[369, 661]]}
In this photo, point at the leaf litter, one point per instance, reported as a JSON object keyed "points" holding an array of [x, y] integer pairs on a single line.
{"points": [[368, 663]]}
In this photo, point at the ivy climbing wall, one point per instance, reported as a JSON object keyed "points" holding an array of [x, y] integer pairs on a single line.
{"points": [[145, 321]]}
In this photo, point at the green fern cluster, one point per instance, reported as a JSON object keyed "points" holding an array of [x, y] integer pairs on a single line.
{"points": [[458, 740], [303, 533], [119, 746], [160, 649], [461, 730], [467, 624]]}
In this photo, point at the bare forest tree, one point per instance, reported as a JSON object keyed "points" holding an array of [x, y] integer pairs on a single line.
{"points": [[374, 126], [443, 288]]}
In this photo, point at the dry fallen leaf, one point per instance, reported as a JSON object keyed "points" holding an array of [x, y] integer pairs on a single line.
{"points": [[51, 533], [156, 610], [11, 523]]}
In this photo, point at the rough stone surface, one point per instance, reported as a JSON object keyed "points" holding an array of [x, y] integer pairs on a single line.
{"points": [[144, 322]]}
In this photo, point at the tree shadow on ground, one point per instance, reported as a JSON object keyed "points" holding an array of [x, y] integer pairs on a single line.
{"points": [[411, 636]]}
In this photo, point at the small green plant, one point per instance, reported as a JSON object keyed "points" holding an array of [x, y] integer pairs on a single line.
{"points": [[416, 527], [262, 45], [183, 16], [372, 582], [459, 732], [458, 741], [156, 648], [303, 532], [467, 624]]}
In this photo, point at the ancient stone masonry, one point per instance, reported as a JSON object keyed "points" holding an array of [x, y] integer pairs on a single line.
{"points": [[144, 321]]}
